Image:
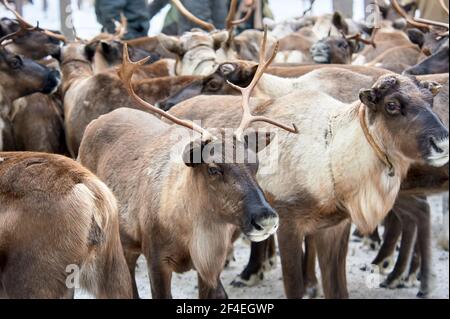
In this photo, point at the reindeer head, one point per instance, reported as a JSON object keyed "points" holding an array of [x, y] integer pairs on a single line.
{"points": [[213, 160], [401, 108], [226, 168], [340, 49], [334, 50], [32, 44], [108, 53], [28, 40], [240, 73], [20, 76]]}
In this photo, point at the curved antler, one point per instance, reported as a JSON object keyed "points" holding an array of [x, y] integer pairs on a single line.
{"points": [[208, 26], [230, 22], [126, 72], [121, 27], [248, 118], [442, 3], [410, 20], [27, 26], [358, 37]]}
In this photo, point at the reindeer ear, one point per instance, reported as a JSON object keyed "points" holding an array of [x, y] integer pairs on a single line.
{"points": [[369, 98], [219, 38], [339, 22], [171, 44], [227, 68], [258, 140], [193, 153], [432, 86], [89, 50], [106, 47], [416, 36]]}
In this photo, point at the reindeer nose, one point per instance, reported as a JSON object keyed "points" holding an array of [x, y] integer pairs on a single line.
{"points": [[263, 224]]}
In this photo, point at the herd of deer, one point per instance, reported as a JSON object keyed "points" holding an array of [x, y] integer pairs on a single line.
{"points": [[355, 118]]}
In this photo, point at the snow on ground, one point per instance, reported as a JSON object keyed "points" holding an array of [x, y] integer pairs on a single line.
{"points": [[362, 285]]}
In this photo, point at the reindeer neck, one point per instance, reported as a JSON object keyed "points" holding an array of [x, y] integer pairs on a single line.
{"points": [[74, 70], [5, 103], [362, 182]]}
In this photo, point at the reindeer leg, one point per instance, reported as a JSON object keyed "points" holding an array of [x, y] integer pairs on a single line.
{"points": [[424, 243], [332, 247], [373, 240], [409, 232], [290, 241], [207, 292], [160, 278], [393, 229], [309, 271], [254, 271], [131, 258], [413, 274]]}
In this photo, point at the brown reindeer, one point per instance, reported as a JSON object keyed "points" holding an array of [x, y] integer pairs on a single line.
{"points": [[28, 42], [56, 220], [322, 206], [20, 77], [175, 231]]}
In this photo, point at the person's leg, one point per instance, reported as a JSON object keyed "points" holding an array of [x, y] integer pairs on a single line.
{"points": [[137, 15], [219, 12], [107, 11], [199, 8]]}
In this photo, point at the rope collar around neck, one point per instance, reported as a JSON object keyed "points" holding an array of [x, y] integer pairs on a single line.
{"points": [[376, 148]]}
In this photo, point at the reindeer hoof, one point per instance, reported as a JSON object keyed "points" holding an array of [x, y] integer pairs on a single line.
{"points": [[393, 283], [371, 244], [270, 264], [386, 265], [312, 292], [423, 295], [253, 280]]}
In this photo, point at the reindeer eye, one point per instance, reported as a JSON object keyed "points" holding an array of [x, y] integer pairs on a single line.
{"points": [[16, 62], [393, 108], [215, 171], [213, 85]]}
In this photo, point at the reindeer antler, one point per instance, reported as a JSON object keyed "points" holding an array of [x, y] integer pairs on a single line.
{"points": [[405, 15], [442, 2], [358, 37], [208, 26], [27, 26], [248, 118], [126, 72], [230, 22], [121, 27]]}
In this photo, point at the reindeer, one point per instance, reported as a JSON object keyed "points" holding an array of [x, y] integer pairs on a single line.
{"points": [[56, 218], [29, 42], [203, 226], [20, 77], [323, 207]]}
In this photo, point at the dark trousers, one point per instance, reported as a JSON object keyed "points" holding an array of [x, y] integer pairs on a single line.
{"points": [[212, 11], [134, 10]]}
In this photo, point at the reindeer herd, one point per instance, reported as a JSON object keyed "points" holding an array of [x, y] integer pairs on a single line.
{"points": [[110, 150]]}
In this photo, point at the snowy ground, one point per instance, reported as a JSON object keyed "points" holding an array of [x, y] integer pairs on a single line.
{"points": [[362, 285]]}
